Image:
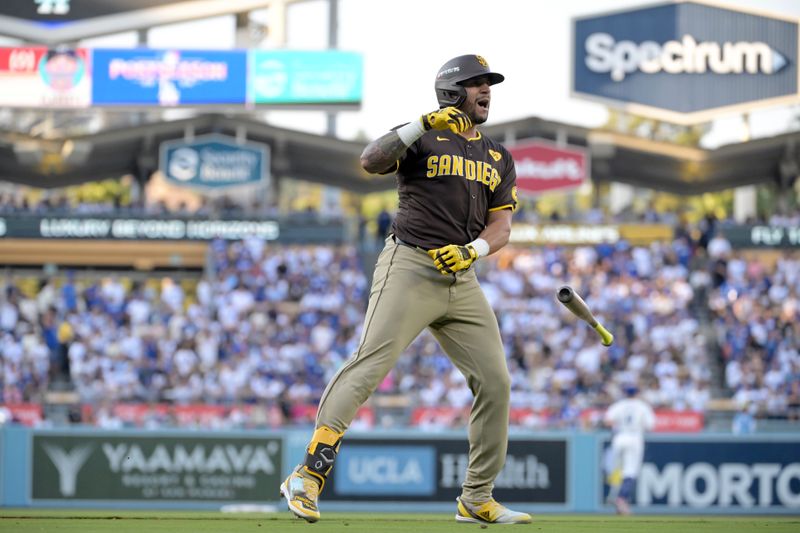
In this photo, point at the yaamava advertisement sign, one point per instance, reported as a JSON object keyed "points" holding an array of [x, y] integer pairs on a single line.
{"points": [[91, 467]]}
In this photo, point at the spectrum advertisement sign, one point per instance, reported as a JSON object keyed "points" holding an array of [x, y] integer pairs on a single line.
{"points": [[434, 469], [40, 77], [294, 77], [169, 77], [703, 475], [685, 62]]}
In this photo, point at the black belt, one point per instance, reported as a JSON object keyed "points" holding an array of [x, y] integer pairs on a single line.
{"points": [[404, 243]]}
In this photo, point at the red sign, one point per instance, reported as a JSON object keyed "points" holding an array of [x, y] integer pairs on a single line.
{"points": [[27, 414], [542, 166], [678, 422], [40, 77], [666, 421], [207, 415], [456, 417]]}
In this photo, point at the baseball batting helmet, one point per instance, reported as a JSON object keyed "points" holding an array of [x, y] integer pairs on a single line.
{"points": [[450, 90]]}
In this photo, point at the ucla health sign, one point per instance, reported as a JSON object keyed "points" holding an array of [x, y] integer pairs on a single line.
{"points": [[214, 161], [433, 470], [169, 77], [293, 77], [685, 62]]}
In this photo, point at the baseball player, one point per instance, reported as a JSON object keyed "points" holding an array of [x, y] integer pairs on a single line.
{"points": [[456, 195], [629, 419]]}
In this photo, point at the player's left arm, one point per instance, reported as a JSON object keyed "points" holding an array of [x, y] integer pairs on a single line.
{"points": [[502, 204], [498, 230], [453, 257]]}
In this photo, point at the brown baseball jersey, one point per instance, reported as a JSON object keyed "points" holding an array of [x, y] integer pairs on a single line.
{"points": [[447, 185]]}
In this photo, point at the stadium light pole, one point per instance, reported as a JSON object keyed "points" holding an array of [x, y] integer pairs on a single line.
{"points": [[333, 41]]}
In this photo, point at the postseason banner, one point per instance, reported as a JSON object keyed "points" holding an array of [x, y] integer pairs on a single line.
{"points": [[40, 77], [169, 77]]}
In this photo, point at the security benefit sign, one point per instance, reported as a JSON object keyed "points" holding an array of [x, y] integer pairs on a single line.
{"points": [[685, 62], [749, 475], [40, 77], [543, 167], [169, 77], [89, 467], [297, 77], [214, 162], [433, 470]]}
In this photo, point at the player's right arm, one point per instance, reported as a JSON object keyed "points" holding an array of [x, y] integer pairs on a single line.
{"points": [[383, 153]]}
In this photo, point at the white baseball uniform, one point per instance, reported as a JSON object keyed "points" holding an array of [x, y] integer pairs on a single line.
{"points": [[630, 418]]}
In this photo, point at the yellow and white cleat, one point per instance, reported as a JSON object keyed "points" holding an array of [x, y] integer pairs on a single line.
{"points": [[489, 512], [301, 495]]}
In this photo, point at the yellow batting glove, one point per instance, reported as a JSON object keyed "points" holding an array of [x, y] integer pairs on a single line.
{"points": [[452, 258], [450, 118]]}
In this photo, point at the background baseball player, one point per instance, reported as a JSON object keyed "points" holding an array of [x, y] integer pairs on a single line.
{"points": [[629, 418], [456, 195]]}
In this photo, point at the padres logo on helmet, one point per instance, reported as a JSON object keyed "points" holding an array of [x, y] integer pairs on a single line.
{"points": [[482, 61]]}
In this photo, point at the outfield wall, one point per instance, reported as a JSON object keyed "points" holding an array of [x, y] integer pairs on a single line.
{"points": [[390, 471]]}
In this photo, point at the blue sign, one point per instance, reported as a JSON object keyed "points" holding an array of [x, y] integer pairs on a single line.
{"points": [[214, 161], [169, 77], [751, 474], [685, 60], [292, 77], [392, 470]]}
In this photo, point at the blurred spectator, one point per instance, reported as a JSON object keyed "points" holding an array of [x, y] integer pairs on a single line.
{"points": [[384, 222], [744, 423]]}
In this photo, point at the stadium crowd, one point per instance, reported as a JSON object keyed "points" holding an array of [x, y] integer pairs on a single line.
{"points": [[755, 307], [269, 325]]}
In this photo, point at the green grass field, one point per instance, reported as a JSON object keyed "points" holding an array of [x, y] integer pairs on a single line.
{"points": [[30, 520]]}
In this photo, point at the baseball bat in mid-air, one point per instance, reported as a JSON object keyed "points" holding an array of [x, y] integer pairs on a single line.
{"points": [[573, 301]]}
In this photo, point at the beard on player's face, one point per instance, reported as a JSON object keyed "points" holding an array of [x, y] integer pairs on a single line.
{"points": [[475, 113], [476, 105]]}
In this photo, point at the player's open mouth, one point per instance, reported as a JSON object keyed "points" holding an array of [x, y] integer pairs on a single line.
{"points": [[483, 103]]}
